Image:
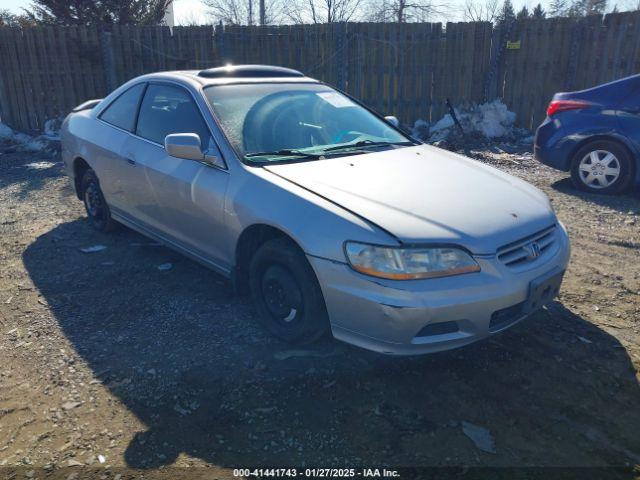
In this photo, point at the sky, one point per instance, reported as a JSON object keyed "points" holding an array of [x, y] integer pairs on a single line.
{"points": [[193, 11]]}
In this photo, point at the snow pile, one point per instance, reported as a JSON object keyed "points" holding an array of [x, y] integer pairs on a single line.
{"points": [[488, 120], [26, 142], [52, 129], [493, 119]]}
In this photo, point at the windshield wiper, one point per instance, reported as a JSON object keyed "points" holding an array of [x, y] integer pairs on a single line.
{"points": [[284, 153], [365, 143]]}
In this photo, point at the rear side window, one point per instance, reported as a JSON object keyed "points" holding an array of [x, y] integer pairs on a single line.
{"points": [[122, 111], [167, 109]]}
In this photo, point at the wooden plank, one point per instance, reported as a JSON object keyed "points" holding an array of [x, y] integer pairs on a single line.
{"points": [[118, 57], [11, 105], [70, 97], [87, 60], [15, 83], [28, 64], [536, 94], [595, 47], [49, 80]]}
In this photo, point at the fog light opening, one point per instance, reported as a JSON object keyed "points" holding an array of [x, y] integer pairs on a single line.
{"points": [[441, 328]]}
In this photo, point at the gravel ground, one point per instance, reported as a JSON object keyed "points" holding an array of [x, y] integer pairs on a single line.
{"points": [[109, 361]]}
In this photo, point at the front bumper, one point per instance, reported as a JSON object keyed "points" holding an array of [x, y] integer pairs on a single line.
{"points": [[415, 317]]}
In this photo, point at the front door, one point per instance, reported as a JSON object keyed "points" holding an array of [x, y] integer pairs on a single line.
{"points": [[187, 202]]}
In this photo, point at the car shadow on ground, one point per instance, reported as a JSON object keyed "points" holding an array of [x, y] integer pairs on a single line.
{"points": [[629, 201], [183, 354], [29, 170]]}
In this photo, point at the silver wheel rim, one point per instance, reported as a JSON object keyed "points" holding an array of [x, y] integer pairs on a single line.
{"points": [[599, 169]]}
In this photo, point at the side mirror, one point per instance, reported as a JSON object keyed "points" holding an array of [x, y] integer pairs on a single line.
{"points": [[392, 120], [187, 146]]}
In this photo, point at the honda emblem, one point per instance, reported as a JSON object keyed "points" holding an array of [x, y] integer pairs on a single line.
{"points": [[533, 250]]}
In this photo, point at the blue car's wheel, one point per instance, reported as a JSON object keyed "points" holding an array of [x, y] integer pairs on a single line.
{"points": [[602, 166]]}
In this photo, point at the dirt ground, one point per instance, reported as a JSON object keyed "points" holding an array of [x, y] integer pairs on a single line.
{"points": [[108, 361]]}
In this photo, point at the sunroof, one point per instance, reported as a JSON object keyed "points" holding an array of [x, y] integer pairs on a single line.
{"points": [[247, 71]]}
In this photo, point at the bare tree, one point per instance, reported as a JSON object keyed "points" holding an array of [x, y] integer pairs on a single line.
{"points": [[558, 8], [402, 11], [8, 19], [581, 8], [481, 11], [323, 11], [244, 12], [233, 12]]}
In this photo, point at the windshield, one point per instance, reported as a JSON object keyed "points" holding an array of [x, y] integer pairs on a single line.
{"points": [[296, 122]]}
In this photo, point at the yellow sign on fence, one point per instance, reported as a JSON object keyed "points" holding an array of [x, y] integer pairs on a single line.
{"points": [[513, 45]]}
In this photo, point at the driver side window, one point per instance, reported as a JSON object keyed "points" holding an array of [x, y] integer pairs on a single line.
{"points": [[169, 109]]}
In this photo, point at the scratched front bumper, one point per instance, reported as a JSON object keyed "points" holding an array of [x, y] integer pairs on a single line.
{"points": [[387, 316]]}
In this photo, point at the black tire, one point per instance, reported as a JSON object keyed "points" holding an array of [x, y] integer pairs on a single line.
{"points": [[286, 293], [95, 204], [623, 161]]}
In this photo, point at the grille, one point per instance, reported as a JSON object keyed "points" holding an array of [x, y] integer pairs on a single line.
{"points": [[528, 249]]}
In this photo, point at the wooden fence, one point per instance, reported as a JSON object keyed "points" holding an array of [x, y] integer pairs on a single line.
{"points": [[404, 69]]}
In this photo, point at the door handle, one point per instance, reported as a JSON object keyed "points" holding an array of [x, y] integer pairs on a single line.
{"points": [[131, 161]]}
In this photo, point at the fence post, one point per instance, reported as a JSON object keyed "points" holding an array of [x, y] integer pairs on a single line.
{"points": [[106, 44], [340, 45], [499, 38], [490, 82]]}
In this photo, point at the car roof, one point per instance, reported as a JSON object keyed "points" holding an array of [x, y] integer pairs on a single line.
{"points": [[607, 93]]}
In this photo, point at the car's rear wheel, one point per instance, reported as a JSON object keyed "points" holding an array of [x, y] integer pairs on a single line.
{"points": [[602, 166], [286, 293], [95, 204]]}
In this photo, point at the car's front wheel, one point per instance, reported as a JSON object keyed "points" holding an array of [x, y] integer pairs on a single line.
{"points": [[95, 204], [602, 167], [286, 293]]}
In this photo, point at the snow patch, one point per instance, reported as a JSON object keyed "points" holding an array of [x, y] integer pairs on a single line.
{"points": [[5, 132], [489, 120], [52, 129], [27, 142], [40, 165]]}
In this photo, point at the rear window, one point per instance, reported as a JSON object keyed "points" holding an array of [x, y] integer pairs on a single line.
{"points": [[122, 111]]}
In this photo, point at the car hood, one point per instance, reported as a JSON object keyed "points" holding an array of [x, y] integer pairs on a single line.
{"points": [[424, 194]]}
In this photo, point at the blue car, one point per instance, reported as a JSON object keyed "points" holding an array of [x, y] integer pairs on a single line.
{"points": [[594, 134]]}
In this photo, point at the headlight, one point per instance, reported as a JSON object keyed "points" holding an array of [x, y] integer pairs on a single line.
{"points": [[409, 263]]}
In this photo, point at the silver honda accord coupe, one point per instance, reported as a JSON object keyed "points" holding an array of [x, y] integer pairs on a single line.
{"points": [[330, 215]]}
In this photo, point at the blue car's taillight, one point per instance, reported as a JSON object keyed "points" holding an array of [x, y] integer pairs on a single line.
{"points": [[562, 105]]}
